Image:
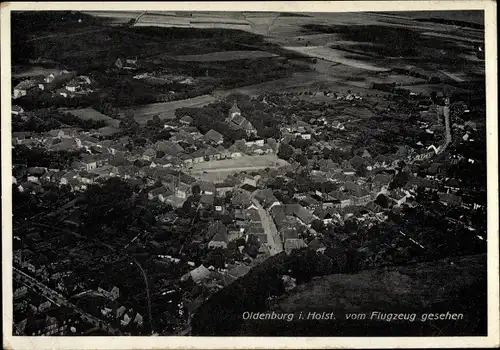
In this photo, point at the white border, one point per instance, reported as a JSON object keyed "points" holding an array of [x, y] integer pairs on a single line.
{"points": [[256, 342]]}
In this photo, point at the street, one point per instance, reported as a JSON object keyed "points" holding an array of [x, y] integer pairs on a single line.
{"points": [[273, 238]]}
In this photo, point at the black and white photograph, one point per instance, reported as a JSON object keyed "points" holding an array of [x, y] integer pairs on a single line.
{"points": [[181, 172]]}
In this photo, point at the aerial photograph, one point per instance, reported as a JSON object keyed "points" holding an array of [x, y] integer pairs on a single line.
{"points": [[268, 174]]}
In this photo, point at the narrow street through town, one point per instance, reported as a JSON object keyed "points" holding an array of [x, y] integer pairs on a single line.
{"points": [[273, 238]]}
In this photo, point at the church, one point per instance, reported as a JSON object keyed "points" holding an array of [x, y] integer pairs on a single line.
{"points": [[238, 122]]}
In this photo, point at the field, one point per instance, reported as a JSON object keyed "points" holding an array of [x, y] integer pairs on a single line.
{"points": [[427, 88], [333, 55], [296, 81], [89, 114], [218, 170], [23, 72], [454, 37], [166, 110], [226, 56]]}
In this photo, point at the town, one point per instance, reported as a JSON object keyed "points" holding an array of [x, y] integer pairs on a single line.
{"points": [[129, 216]]}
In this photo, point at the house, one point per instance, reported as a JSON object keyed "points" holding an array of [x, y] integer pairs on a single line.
{"points": [[234, 152], [252, 180], [49, 78], [67, 177], [220, 238], [251, 214], [357, 161], [294, 243], [125, 321], [433, 170], [349, 171], [206, 188], [128, 64], [197, 156], [207, 200], [326, 215], [415, 182], [267, 198], [72, 86], [259, 142], [160, 193], [211, 153], [149, 154], [16, 110], [449, 199], [23, 88], [186, 120], [113, 294], [317, 246], [241, 199], [452, 185], [120, 312], [238, 271], [138, 320], [300, 213], [182, 190], [197, 275], [214, 137]]}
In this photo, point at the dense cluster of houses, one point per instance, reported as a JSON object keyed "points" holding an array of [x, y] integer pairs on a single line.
{"points": [[44, 317]]}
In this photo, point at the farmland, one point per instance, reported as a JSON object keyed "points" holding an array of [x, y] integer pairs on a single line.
{"points": [[226, 56], [89, 114], [333, 55], [166, 110], [30, 71], [92, 114]]}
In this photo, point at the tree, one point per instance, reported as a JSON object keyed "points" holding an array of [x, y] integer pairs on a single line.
{"points": [[302, 159], [317, 225], [382, 201], [196, 190], [285, 151]]}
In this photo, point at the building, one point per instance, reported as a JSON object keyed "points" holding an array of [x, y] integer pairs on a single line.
{"points": [[220, 238], [214, 137], [113, 294], [207, 188], [17, 110], [236, 121], [182, 190], [293, 244], [317, 246], [186, 120], [300, 213], [197, 275], [160, 193], [23, 88], [128, 63]]}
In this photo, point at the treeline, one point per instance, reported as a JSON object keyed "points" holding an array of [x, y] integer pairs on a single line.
{"points": [[49, 119], [39, 157], [40, 100]]}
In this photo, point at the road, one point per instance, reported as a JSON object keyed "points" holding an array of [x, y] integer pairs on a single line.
{"points": [[273, 238], [58, 299]]}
